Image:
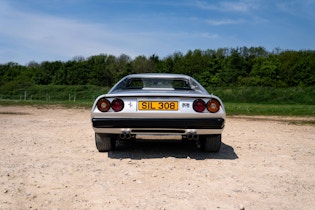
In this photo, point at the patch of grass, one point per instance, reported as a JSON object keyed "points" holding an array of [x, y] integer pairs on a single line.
{"points": [[269, 109], [46, 104], [303, 122], [266, 95], [54, 93]]}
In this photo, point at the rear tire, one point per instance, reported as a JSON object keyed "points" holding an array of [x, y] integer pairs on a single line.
{"points": [[211, 143], [104, 142]]}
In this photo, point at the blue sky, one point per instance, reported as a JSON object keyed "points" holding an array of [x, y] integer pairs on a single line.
{"points": [[50, 30]]}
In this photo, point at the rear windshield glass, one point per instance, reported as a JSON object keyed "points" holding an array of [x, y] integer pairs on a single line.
{"points": [[142, 83]]}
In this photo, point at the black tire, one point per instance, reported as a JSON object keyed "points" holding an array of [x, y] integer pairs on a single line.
{"points": [[104, 143], [211, 143]]}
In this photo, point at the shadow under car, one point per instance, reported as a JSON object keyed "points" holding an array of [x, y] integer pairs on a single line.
{"points": [[164, 149]]}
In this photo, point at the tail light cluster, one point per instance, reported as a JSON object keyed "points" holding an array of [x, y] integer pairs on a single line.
{"points": [[104, 104], [199, 105], [213, 105]]}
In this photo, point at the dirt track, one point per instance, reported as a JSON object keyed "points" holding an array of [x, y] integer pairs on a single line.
{"points": [[49, 161]]}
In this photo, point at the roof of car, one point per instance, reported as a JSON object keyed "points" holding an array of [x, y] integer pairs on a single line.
{"points": [[155, 75]]}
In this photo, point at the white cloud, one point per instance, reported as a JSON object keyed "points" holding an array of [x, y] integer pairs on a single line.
{"points": [[209, 36], [47, 36], [42, 37], [30, 34], [296, 8], [229, 6], [224, 22]]}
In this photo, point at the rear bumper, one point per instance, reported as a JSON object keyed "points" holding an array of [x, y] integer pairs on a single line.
{"points": [[183, 123]]}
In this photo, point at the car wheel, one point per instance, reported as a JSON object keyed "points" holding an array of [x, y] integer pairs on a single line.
{"points": [[104, 143], [211, 143]]}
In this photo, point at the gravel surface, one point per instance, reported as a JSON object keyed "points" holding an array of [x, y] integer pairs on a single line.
{"points": [[49, 161]]}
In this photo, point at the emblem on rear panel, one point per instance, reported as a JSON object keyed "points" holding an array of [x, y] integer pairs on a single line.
{"points": [[130, 104], [185, 105]]}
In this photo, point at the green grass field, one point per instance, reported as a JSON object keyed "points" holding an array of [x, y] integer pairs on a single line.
{"points": [[270, 109]]}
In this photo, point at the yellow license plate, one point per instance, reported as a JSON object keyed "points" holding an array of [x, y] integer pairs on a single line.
{"points": [[158, 105]]}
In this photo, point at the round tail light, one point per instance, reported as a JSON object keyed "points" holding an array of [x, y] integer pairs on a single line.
{"points": [[117, 105], [213, 105], [199, 105], [103, 105]]}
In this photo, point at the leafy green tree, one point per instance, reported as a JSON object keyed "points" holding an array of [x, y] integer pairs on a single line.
{"points": [[253, 66], [142, 65], [232, 69], [97, 64], [43, 74], [177, 64], [266, 72], [298, 68], [123, 66]]}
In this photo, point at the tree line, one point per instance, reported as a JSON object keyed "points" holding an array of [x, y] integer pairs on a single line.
{"points": [[224, 67]]}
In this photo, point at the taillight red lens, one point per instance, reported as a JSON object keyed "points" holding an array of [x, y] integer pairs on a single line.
{"points": [[213, 105], [103, 105], [199, 105], [117, 105]]}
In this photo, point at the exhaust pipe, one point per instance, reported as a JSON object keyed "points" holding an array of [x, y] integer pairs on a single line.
{"points": [[122, 135], [195, 136], [192, 136], [125, 135], [189, 136]]}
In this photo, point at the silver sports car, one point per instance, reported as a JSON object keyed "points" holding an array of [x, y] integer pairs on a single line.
{"points": [[161, 107]]}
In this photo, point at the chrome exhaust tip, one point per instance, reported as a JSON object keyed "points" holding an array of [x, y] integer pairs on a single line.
{"points": [[125, 135], [192, 136], [122, 135]]}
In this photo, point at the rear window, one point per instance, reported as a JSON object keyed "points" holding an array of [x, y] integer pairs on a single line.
{"points": [[140, 83]]}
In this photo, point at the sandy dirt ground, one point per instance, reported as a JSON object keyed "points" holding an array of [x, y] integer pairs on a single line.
{"points": [[49, 161]]}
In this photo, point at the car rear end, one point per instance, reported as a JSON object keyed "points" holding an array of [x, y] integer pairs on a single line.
{"points": [[145, 113]]}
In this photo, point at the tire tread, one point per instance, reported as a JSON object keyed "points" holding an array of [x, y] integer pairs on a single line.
{"points": [[212, 143], [103, 142]]}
